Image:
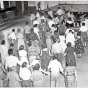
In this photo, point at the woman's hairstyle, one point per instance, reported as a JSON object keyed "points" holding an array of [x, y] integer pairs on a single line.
{"points": [[13, 30], [68, 44], [36, 67], [10, 51], [24, 64], [21, 47], [3, 42], [12, 45]]}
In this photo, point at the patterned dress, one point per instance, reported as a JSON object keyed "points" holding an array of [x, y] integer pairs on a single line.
{"points": [[45, 59], [79, 48]]}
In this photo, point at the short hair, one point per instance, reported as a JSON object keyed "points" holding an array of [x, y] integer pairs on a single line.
{"points": [[55, 56], [68, 44], [11, 44], [24, 64], [10, 51], [58, 7], [21, 47], [13, 30], [83, 24], [32, 30], [36, 67], [27, 23], [3, 42], [35, 25]]}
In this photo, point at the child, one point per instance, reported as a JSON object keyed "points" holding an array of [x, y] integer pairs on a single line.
{"points": [[12, 36]]}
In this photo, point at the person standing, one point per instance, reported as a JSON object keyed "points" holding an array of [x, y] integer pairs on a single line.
{"points": [[55, 68], [12, 36], [70, 55]]}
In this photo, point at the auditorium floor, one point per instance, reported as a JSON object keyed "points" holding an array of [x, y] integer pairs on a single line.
{"points": [[82, 63]]}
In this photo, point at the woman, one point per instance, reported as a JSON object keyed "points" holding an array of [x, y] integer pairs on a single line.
{"points": [[45, 58], [70, 55], [79, 48], [37, 77], [22, 55], [48, 39], [20, 39], [13, 77], [32, 52]]}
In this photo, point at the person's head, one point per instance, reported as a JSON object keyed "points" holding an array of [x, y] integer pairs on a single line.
{"points": [[70, 31], [83, 24], [69, 19], [53, 25], [79, 33], [55, 56], [21, 47], [10, 51], [36, 67], [2, 42], [27, 23], [18, 30], [24, 64], [58, 7], [68, 44], [35, 25], [32, 30], [11, 45], [13, 30], [62, 33]]}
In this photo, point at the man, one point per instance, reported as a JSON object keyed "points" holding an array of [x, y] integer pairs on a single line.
{"points": [[25, 75], [11, 60], [57, 49], [55, 68], [32, 36], [50, 13], [60, 13], [27, 30]]}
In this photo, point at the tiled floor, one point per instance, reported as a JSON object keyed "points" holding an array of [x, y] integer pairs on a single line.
{"points": [[82, 63]]}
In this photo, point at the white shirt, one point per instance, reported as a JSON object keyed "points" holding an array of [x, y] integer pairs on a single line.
{"points": [[36, 30], [55, 66], [11, 61], [70, 38], [83, 29], [59, 12], [57, 48], [35, 22], [67, 31], [24, 73], [12, 36], [50, 13], [50, 23], [22, 53], [34, 62]]}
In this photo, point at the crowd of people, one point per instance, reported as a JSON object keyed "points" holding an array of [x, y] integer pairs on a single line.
{"points": [[47, 40]]}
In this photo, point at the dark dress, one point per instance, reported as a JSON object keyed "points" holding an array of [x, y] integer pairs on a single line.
{"points": [[79, 48], [45, 59], [70, 57]]}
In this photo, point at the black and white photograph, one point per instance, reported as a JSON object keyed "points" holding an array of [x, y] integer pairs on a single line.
{"points": [[44, 44]]}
